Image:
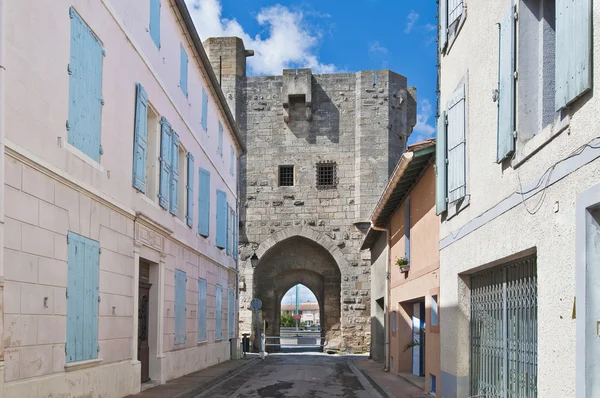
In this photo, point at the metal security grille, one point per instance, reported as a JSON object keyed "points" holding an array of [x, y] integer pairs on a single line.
{"points": [[286, 176], [326, 175], [504, 331]]}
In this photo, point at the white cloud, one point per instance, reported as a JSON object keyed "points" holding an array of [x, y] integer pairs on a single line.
{"points": [[376, 49], [304, 295], [423, 128], [411, 20], [429, 27], [289, 42]]}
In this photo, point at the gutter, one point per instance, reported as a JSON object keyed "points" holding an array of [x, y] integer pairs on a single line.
{"points": [[191, 28]]}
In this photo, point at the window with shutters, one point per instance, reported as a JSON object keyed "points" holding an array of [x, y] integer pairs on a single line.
{"points": [[182, 184], [220, 141], [85, 88], [183, 72], [231, 313], [152, 154], [452, 14], [204, 120], [203, 202], [231, 160], [219, 313], [82, 298], [201, 310], [180, 309], [154, 27], [230, 231], [222, 220]]}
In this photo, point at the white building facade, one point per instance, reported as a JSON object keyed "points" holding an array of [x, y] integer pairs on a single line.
{"points": [[517, 183], [119, 203]]}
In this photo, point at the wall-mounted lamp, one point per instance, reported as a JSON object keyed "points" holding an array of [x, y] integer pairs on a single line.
{"points": [[254, 260]]}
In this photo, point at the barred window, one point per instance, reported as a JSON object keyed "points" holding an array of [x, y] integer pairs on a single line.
{"points": [[286, 176], [326, 175]]}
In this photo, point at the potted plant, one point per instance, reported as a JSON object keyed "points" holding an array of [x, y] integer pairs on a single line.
{"points": [[403, 264]]}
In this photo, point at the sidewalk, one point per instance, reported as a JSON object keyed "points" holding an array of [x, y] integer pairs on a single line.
{"points": [[391, 385], [194, 383]]}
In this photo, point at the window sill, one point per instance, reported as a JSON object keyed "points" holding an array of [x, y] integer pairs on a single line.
{"points": [[456, 207], [202, 342], [149, 201], [69, 367], [531, 147], [178, 221], [62, 143]]}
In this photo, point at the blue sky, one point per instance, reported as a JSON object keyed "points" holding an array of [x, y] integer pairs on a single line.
{"points": [[334, 35], [304, 295]]}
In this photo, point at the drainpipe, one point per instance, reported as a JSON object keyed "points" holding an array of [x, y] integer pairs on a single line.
{"points": [[2, 113], [386, 298]]}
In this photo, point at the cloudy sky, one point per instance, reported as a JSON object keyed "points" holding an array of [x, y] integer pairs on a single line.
{"points": [[333, 35], [304, 295]]}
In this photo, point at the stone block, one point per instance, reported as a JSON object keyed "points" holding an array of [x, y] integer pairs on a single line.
{"points": [[21, 206], [60, 247], [37, 299], [35, 361], [38, 184], [52, 330], [52, 272], [20, 267], [38, 241], [85, 211], [118, 222], [60, 301], [12, 297], [58, 358], [12, 358], [13, 172], [20, 330], [12, 234], [67, 198], [54, 218], [115, 283]]}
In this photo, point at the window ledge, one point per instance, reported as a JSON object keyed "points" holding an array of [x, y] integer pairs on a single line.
{"points": [[69, 367], [148, 200], [62, 143], [458, 206], [205, 342], [531, 147], [178, 221]]}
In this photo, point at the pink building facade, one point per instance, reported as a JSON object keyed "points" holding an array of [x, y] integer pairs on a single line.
{"points": [[119, 202]]}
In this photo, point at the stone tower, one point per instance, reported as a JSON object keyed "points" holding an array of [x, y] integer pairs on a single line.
{"points": [[320, 149]]}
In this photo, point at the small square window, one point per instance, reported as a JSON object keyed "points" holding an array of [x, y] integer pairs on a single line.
{"points": [[286, 176], [326, 175]]}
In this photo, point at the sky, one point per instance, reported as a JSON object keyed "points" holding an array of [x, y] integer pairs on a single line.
{"points": [[334, 36], [304, 295]]}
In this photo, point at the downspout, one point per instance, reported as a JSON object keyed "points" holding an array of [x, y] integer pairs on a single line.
{"points": [[2, 124], [386, 299]]}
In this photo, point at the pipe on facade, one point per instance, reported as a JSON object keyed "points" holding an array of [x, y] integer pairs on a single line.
{"points": [[386, 299], [2, 126]]}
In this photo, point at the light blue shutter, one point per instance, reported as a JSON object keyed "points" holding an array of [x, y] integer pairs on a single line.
{"points": [[165, 163], [219, 314], [506, 86], [82, 298], [204, 110], [204, 202], [230, 314], [155, 22], [201, 310], [180, 310], [190, 190], [573, 50], [440, 166], [229, 232], [407, 229], [457, 183], [443, 17], [221, 240], [183, 72], [235, 235], [220, 143], [140, 139], [174, 199], [85, 88], [231, 159]]}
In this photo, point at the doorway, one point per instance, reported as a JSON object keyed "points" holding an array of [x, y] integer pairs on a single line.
{"points": [[144, 321], [418, 348]]}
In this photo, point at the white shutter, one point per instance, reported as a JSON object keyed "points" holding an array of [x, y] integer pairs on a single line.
{"points": [[457, 146]]}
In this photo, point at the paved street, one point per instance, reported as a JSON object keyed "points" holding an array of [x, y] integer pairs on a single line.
{"points": [[302, 375]]}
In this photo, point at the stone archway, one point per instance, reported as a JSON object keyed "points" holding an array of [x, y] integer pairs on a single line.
{"points": [[299, 259]]}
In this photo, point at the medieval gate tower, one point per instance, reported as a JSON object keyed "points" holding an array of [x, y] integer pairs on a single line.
{"points": [[320, 149]]}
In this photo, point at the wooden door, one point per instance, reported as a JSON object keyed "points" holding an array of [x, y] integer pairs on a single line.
{"points": [[143, 348]]}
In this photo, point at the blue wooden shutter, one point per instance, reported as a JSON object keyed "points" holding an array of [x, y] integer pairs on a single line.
{"points": [[231, 313], [183, 72], [443, 17], [174, 198], [229, 232], [220, 143], [189, 218], [440, 166], [165, 163], [204, 110], [140, 139], [231, 160], [235, 235], [573, 50], [221, 240], [407, 229], [219, 314], [457, 183], [155, 22], [180, 310], [82, 298], [204, 203], [506, 86], [201, 310], [85, 88]]}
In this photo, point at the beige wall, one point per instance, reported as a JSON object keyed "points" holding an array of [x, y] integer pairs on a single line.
{"points": [[52, 188], [422, 280]]}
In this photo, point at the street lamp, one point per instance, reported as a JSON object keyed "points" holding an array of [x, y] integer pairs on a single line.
{"points": [[254, 260]]}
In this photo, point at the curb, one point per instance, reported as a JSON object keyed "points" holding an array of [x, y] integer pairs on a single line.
{"points": [[198, 388], [380, 389]]}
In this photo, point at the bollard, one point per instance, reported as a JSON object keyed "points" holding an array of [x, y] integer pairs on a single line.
{"points": [[262, 346]]}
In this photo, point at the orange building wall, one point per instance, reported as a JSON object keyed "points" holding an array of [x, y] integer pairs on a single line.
{"points": [[421, 281]]}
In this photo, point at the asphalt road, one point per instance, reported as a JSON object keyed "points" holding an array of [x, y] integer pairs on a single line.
{"points": [[296, 375]]}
